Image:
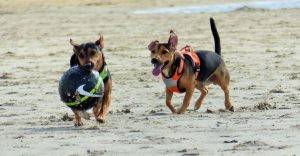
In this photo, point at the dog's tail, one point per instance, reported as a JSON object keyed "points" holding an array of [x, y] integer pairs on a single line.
{"points": [[216, 36]]}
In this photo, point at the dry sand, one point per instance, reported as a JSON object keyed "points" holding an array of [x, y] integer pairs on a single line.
{"points": [[261, 49]]}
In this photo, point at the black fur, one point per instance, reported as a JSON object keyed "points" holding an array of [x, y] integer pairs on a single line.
{"points": [[216, 36], [74, 60], [209, 63]]}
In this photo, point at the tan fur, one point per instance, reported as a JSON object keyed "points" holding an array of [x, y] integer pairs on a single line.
{"points": [[188, 81], [100, 110]]}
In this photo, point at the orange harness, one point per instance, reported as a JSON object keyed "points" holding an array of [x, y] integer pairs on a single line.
{"points": [[172, 81]]}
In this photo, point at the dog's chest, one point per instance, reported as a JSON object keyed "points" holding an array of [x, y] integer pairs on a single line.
{"points": [[166, 72]]}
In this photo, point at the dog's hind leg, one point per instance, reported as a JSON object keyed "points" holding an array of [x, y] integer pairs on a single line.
{"points": [[225, 88], [222, 78], [204, 91]]}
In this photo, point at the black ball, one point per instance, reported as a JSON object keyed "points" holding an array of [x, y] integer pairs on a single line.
{"points": [[80, 89]]}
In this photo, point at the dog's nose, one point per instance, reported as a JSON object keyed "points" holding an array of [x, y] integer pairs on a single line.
{"points": [[89, 66], [154, 61]]}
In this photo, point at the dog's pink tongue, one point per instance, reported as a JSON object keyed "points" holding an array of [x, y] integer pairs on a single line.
{"points": [[156, 70]]}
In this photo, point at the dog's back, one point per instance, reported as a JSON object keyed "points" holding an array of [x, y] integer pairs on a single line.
{"points": [[209, 63]]}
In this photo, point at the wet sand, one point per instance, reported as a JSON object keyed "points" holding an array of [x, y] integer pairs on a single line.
{"points": [[260, 47]]}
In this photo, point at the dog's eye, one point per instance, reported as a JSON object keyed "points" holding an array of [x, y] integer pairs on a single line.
{"points": [[81, 55], [164, 52], [93, 53], [152, 52]]}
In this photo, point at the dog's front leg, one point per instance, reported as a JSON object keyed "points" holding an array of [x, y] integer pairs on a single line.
{"points": [[96, 109], [169, 95], [78, 121], [106, 100], [104, 108], [186, 101]]}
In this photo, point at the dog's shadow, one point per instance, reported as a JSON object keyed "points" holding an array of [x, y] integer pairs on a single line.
{"points": [[60, 128], [52, 129], [160, 114]]}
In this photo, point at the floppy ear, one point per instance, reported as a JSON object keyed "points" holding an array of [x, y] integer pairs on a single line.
{"points": [[173, 40], [100, 41], [75, 45], [152, 45]]}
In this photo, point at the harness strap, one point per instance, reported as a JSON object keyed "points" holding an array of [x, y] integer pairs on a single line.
{"points": [[103, 76], [186, 52], [84, 98], [104, 73], [189, 51]]}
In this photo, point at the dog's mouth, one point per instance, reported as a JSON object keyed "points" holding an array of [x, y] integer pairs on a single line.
{"points": [[157, 69]]}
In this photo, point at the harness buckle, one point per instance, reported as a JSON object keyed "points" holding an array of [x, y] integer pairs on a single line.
{"points": [[187, 48]]}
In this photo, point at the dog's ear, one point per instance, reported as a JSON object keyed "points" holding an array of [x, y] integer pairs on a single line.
{"points": [[100, 41], [75, 46], [152, 45], [173, 40]]}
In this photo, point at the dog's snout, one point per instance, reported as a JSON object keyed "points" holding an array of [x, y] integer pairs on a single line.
{"points": [[89, 66], [154, 61]]}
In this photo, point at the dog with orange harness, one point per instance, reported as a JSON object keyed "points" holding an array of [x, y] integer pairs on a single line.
{"points": [[186, 69]]}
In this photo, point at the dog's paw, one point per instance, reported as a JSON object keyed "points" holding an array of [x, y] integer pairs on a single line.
{"points": [[179, 111], [231, 109], [77, 124], [100, 120], [196, 107]]}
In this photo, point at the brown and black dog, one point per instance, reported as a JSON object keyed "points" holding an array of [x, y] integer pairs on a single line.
{"points": [[185, 71], [89, 56]]}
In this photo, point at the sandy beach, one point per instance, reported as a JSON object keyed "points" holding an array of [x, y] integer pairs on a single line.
{"points": [[260, 47]]}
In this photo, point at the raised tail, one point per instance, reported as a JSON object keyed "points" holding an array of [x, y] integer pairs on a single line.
{"points": [[216, 36]]}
